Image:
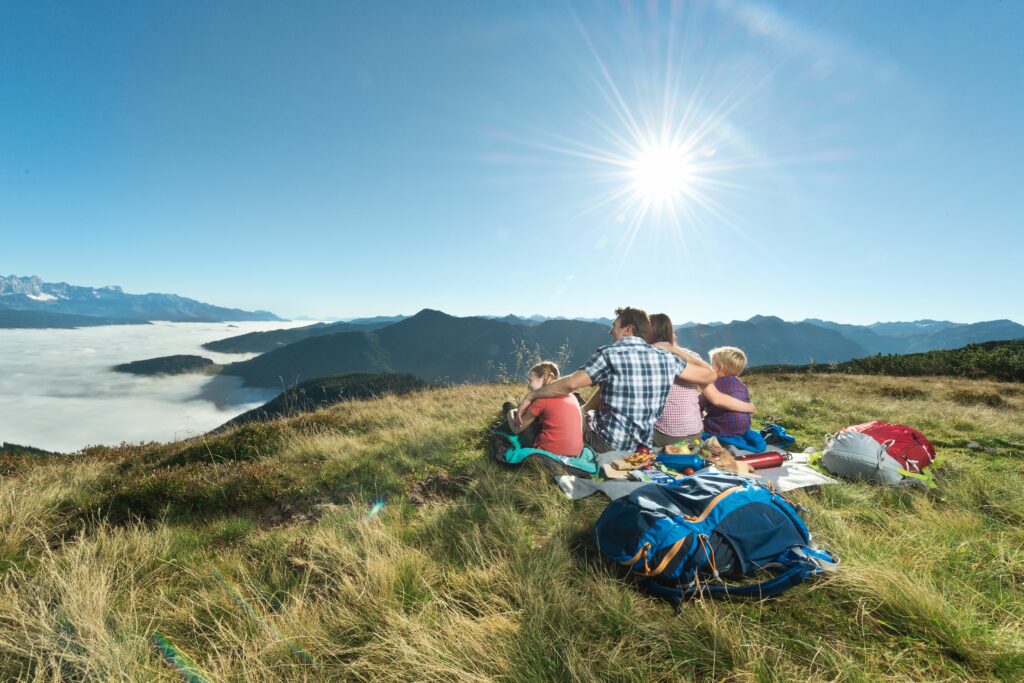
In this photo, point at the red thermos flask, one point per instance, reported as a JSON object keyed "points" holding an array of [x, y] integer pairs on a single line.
{"points": [[763, 461]]}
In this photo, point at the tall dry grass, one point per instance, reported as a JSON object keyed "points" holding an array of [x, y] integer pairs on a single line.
{"points": [[499, 581]]}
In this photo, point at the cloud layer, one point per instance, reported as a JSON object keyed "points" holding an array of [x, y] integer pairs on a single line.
{"points": [[57, 390]]}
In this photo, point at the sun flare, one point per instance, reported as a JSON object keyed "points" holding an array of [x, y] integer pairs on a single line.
{"points": [[662, 150], [661, 173]]}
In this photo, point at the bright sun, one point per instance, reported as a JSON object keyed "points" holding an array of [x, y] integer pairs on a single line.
{"points": [[661, 173]]}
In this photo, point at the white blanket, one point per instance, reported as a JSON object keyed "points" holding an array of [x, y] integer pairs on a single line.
{"points": [[793, 474]]}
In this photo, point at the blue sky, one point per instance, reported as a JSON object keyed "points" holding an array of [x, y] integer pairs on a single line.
{"points": [[851, 161]]}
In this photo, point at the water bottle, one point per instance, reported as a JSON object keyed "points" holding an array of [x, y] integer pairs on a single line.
{"points": [[682, 462]]}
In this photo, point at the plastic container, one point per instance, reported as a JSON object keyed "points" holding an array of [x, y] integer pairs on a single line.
{"points": [[682, 462]]}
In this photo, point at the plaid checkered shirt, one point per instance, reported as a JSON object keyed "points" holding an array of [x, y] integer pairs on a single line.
{"points": [[722, 422], [635, 379]]}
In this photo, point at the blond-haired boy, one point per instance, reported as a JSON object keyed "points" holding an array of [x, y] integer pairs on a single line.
{"points": [[728, 425]]}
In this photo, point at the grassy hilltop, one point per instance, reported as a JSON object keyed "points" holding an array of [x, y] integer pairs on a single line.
{"points": [[254, 555]]}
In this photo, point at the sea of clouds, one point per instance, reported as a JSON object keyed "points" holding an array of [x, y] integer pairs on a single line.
{"points": [[58, 392]]}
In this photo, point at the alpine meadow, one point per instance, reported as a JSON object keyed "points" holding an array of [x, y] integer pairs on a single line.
{"points": [[256, 554], [511, 342]]}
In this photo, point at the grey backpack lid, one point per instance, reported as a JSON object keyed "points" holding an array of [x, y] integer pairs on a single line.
{"points": [[858, 456]]}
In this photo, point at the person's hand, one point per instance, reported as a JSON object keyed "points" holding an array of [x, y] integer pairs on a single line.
{"points": [[523, 405], [664, 346]]}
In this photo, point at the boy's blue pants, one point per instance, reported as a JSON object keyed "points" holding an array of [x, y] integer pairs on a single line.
{"points": [[750, 441]]}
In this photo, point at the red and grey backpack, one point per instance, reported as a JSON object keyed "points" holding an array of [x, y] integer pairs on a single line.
{"points": [[881, 452]]}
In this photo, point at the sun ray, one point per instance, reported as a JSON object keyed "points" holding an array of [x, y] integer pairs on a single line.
{"points": [[666, 146], [622, 110]]}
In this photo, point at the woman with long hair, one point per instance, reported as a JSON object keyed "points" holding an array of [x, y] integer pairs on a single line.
{"points": [[681, 420]]}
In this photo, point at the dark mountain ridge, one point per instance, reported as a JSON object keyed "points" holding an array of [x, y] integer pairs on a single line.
{"points": [[258, 342], [432, 345], [438, 347], [166, 365], [768, 339], [772, 340], [923, 335], [324, 391], [50, 320], [954, 337]]}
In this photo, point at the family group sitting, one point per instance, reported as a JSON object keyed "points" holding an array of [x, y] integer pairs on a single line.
{"points": [[651, 392]]}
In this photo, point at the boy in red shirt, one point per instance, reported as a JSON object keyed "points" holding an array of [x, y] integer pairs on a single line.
{"points": [[557, 422]]}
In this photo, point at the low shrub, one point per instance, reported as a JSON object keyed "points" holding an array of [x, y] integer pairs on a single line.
{"points": [[903, 393], [248, 442], [974, 397], [194, 491]]}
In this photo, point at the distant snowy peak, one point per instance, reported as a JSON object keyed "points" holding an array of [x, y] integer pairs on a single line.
{"points": [[534, 320], [28, 286], [37, 290], [914, 327], [111, 302]]}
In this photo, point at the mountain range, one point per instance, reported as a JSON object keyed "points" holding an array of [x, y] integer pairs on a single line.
{"points": [[62, 305], [432, 345], [439, 347], [533, 320], [259, 342], [767, 337]]}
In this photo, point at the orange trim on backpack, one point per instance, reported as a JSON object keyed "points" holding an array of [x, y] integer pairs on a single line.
{"points": [[674, 549], [776, 492], [645, 547], [714, 501], [669, 554]]}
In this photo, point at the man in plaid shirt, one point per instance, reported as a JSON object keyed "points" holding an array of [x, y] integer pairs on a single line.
{"points": [[635, 379]]}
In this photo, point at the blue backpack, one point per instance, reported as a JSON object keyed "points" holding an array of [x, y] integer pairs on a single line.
{"points": [[685, 538]]}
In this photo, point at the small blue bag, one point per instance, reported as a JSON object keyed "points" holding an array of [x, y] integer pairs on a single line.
{"points": [[686, 538], [775, 435]]}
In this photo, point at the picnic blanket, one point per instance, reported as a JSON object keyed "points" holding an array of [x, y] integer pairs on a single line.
{"points": [[793, 474]]}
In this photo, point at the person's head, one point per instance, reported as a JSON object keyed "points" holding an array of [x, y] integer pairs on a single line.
{"points": [[661, 329], [630, 322], [540, 374], [728, 360]]}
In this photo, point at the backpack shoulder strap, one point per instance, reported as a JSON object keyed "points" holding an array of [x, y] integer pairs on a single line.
{"points": [[792, 576], [799, 564]]}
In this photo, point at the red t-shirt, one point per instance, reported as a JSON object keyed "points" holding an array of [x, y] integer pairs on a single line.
{"points": [[561, 425]]}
